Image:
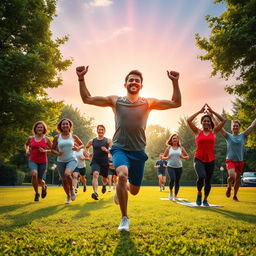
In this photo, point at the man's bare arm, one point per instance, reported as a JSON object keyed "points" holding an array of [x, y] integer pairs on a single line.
{"points": [[175, 101], [101, 101]]}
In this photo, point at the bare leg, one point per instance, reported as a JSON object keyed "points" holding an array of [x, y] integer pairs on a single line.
{"points": [[95, 181], [35, 181]]}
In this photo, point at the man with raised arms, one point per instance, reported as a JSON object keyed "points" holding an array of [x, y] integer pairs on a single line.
{"points": [[129, 141]]}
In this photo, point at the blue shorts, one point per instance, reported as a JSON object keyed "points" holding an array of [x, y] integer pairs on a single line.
{"points": [[134, 160], [40, 168], [63, 166], [112, 172]]}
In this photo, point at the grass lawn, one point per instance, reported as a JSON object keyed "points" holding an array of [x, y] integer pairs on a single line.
{"points": [[88, 227]]}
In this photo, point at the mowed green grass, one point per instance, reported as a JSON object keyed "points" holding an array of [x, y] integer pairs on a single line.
{"points": [[88, 227]]}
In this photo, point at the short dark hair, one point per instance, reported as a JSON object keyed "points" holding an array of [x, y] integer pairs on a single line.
{"points": [[59, 130], [236, 121], [203, 117], [36, 124], [102, 126], [134, 72]]}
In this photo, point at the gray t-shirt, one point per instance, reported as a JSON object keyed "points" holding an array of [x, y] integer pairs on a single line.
{"points": [[130, 121]]}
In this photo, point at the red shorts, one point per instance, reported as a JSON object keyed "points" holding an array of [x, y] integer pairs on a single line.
{"points": [[237, 165]]}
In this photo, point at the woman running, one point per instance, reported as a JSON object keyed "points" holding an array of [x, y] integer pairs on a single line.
{"points": [[66, 143], [204, 158], [37, 147], [174, 153], [235, 154]]}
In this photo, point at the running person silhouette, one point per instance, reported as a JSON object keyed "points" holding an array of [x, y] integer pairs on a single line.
{"points": [[131, 113], [99, 163], [235, 154]]}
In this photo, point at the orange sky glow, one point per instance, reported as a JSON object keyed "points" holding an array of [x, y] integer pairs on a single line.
{"points": [[114, 37]]}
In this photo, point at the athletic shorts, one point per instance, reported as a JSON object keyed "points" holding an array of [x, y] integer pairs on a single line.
{"points": [[134, 160], [101, 168], [82, 171], [237, 165], [39, 167], [161, 172], [62, 166], [112, 172]]}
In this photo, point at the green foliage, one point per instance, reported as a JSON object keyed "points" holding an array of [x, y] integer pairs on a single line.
{"points": [[232, 52], [30, 62], [83, 126], [156, 143], [9, 175], [86, 227]]}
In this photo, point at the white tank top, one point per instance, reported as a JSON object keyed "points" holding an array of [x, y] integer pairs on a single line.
{"points": [[175, 160], [65, 145], [80, 163]]}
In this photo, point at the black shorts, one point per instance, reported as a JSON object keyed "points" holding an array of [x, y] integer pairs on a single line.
{"points": [[82, 171], [101, 168], [112, 172]]}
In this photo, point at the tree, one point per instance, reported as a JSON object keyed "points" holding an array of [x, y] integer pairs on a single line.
{"points": [[156, 143], [30, 62], [231, 49]]}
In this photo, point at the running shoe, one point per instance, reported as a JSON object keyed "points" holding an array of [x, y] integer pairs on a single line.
{"points": [[199, 199], [170, 196], [37, 196], [103, 190], [73, 195], [68, 200], [161, 189], [205, 203], [116, 200], [228, 192], [76, 190], [44, 192], [84, 188], [110, 189], [124, 225], [235, 199], [95, 196]]}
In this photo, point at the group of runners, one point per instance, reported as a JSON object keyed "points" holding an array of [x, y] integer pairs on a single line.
{"points": [[127, 148]]}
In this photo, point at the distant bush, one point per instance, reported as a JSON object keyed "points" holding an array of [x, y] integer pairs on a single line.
{"points": [[10, 176]]}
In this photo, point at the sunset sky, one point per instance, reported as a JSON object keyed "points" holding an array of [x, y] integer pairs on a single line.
{"points": [[116, 36]]}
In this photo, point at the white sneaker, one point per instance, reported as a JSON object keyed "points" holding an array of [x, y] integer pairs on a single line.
{"points": [[161, 189], [68, 200], [175, 198], [124, 225], [170, 196], [73, 195], [116, 199], [110, 189]]}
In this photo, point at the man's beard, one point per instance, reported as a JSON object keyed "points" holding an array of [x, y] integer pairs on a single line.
{"points": [[132, 91]]}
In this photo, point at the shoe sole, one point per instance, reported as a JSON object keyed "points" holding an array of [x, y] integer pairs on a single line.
{"points": [[123, 230]]}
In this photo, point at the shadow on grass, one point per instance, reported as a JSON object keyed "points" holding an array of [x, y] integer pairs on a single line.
{"points": [[125, 246], [9, 208], [250, 218], [27, 217]]}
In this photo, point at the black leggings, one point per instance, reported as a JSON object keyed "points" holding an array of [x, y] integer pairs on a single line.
{"points": [[175, 174], [204, 173]]}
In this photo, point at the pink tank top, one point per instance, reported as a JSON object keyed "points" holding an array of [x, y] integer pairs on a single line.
{"points": [[35, 154], [205, 147]]}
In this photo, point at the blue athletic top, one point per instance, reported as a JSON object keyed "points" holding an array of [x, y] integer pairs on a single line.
{"points": [[235, 146], [161, 163]]}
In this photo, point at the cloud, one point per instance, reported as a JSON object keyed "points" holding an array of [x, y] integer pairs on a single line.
{"points": [[100, 3], [112, 35]]}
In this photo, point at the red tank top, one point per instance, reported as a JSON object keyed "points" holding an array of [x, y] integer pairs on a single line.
{"points": [[35, 154], [205, 147]]}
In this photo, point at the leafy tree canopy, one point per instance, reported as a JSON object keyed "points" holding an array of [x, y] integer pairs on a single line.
{"points": [[30, 62], [231, 49]]}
